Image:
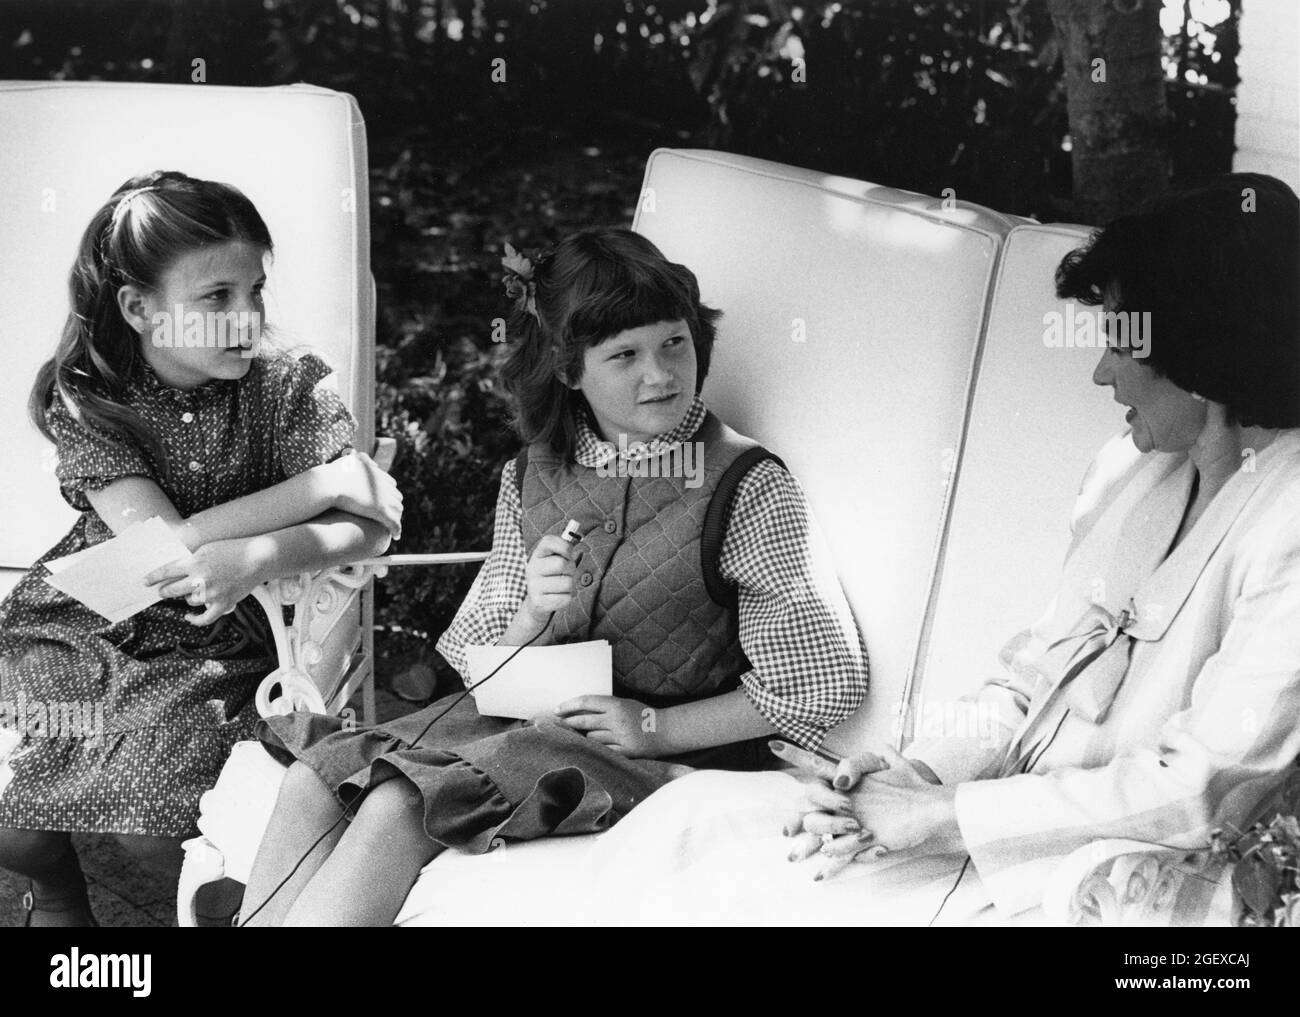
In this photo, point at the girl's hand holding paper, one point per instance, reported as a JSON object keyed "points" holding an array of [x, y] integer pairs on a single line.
{"points": [[621, 725], [214, 578]]}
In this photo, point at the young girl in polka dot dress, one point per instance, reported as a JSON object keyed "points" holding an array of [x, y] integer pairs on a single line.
{"points": [[243, 454]]}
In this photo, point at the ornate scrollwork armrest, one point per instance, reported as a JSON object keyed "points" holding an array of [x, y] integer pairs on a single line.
{"points": [[319, 600]]}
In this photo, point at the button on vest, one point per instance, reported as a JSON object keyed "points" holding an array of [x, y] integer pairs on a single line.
{"points": [[642, 585]]}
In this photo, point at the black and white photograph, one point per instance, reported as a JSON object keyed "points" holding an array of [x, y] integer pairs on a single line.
{"points": [[682, 463]]}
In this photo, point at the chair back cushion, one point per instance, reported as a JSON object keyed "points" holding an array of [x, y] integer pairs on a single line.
{"points": [[850, 329], [1036, 421]]}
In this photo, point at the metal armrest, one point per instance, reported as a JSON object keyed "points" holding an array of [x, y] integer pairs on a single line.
{"points": [[315, 650], [323, 656], [325, 653]]}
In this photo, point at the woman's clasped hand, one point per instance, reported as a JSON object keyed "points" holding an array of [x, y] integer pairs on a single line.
{"points": [[866, 806]]}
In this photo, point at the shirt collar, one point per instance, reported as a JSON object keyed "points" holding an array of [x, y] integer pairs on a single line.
{"points": [[592, 452], [146, 379]]}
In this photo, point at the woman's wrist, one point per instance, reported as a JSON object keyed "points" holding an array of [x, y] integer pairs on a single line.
{"points": [[947, 831]]}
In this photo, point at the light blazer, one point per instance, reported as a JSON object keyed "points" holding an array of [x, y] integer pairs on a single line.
{"points": [[1189, 720]]}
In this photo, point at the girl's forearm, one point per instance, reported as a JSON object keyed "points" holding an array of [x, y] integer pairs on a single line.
{"points": [[301, 498], [332, 538], [730, 717]]}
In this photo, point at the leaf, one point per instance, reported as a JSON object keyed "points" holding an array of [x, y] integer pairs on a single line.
{"points": [[516, 264], [1257, 882]]}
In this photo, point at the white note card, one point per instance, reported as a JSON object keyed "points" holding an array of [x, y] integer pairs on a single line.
{"points": [[109, 577], [540, 678]]}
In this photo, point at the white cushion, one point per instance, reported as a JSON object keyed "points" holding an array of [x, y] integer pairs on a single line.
{"points": [[236, 810], [946, 500], [1036, 422], [867, 409], [538, 883]]}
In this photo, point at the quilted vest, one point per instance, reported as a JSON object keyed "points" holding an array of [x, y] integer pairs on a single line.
{"points": [[647, 580]]}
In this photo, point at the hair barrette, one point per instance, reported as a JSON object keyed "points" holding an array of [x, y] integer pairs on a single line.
{"points": [[519, 283], [124, 202]]}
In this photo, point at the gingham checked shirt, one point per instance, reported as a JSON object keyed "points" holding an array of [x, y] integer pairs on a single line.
{"points": [[809, 666]]}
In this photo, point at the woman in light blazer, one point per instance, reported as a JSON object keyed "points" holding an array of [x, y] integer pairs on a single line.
{"points": [[1157, 699]]}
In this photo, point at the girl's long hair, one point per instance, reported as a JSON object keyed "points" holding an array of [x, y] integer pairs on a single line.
{"points": [[592, 286], [148, 223]]}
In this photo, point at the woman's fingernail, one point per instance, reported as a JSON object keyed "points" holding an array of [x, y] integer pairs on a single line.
{"points": [[792, 857], [866, 837], [842, 783], [852, 826], [777, 747], [786, 831], [819, 877]]}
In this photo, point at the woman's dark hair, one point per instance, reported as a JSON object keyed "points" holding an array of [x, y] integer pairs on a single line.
{"points": [[1216, 264], [590, 287], [148, 223]]}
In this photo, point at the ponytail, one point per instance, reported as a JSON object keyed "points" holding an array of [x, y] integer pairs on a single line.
{"points": [[96, 353], [545, 408]]}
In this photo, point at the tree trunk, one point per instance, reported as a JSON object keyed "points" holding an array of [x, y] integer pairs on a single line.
{"points": [[180, 48], [1115, 98]]}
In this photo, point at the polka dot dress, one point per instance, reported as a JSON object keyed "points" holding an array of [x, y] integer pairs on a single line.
{"points": [[125, 725]]}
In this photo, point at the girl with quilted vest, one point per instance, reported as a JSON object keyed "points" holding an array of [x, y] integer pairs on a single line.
{"points": [[697, 560]]}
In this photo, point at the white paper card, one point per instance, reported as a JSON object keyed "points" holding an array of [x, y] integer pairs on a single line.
{"points": [[109, 577], [540, 678]]}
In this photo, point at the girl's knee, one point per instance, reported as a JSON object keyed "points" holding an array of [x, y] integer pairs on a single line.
{"points": [[391, 802], [301, 779], [23, 850], [303, 792]]}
